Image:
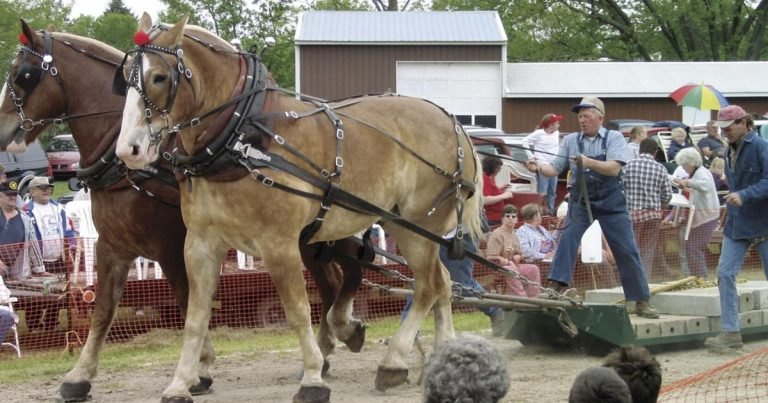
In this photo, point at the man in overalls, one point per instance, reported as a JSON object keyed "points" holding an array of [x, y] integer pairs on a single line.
{"points": [[602, 153]]}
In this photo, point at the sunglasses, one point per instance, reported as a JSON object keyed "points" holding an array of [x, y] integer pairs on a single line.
{"points": [[510, 216]]}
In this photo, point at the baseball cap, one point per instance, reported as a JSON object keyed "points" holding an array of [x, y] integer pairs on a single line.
{"points": [[729, 114], [548, 119], [40, 182], [589, 102], [9, 187]]}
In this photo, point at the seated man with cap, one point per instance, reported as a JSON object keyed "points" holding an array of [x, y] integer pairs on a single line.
{"points": [[596, 155], [50, 224], [19, 253]]}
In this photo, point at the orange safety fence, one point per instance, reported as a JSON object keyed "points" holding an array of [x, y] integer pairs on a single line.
{"points": [[56, 312]]}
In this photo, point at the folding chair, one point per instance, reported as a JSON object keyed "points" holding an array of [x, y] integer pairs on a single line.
{"points": [[7, 304], [680, 201]]}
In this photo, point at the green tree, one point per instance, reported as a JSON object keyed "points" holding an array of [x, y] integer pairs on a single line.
{"points": [[116, 30], [340, 5], [118, 7]]}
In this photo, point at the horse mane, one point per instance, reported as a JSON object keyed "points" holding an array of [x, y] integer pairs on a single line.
{"points": [[89, 44]]}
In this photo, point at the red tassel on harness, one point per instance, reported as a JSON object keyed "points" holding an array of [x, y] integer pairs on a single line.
{"points": [[141, 38], [23, 39]]}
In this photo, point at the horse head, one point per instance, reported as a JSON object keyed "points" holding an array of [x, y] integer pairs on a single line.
{"points": [[171, 82], [55, 77]]}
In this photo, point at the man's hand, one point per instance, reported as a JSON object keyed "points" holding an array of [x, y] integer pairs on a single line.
{"points": [[586, 161], [532, 165], [733, 199]]}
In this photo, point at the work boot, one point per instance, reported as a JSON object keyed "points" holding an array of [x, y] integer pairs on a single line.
{"points": [[725, 341], [564, 290], [644, 309], [497, 324]]}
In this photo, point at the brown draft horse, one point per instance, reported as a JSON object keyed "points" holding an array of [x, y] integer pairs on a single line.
{"points": [[401, 154], [76, 85]]}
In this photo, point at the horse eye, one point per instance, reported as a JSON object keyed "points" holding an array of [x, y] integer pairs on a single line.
{"points": [[158, 79]]}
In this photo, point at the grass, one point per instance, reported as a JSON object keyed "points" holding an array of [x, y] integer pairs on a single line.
{"points": [[162, 346], [60, 187]]}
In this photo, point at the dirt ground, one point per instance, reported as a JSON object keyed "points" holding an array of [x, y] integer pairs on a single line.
{"points": [[537, 375]]}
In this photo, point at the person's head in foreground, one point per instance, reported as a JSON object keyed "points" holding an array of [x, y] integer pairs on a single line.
{"points": [[467, 369], [599, 385], [639, 369]]}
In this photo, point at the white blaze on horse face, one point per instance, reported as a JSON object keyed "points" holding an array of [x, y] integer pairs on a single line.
{"points": [[9, 119], [133, 143]]}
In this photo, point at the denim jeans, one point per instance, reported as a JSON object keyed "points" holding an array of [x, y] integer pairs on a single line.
{"points": [[6, 321], [731, 258], [547, 185], [461, 271]]}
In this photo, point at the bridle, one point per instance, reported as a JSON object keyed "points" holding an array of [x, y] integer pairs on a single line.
{"points": [[135, 80], [28, 78]]}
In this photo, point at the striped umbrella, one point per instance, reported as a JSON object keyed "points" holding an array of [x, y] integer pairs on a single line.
{"points": [[699, 96]]}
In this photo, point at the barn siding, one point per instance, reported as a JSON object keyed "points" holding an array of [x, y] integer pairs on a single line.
{"points": [[334, 72]]}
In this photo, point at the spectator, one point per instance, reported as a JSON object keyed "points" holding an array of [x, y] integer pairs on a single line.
{"points": [[536, 243], [465, 369], [706, 212], [601, 154], [636, 136], [542, 145], [19, 252], [746, 224], [493, 197], [50, 223], [717, 167], [679, 141], [648, 190], [639, 369], [599, 385], [7, 316], [711, 146], [504, 247]]}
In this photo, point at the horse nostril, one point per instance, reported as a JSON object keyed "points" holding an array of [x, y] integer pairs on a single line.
{"points": [[135, 150]]}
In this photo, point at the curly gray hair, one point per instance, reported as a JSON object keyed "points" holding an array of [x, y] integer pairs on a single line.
{"points": [[688, 157], [464, 370]]}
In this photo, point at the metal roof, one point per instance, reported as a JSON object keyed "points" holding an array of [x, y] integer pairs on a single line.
{"points": [[633, 79], [401, 28]]}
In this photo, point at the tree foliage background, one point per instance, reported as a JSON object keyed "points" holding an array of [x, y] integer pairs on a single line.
{"points": [[538, 30]]}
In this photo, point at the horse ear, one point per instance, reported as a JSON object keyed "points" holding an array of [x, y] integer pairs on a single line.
{"points": [[51, 28], [145, 22], [28, 34], [176, 33]]}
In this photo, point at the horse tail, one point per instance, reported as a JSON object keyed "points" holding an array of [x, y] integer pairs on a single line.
{"points": [[473, 206]]}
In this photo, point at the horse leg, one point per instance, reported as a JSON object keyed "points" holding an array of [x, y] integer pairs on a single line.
{"points": [[203, 259], [284, 265], [327, 277], [432, 288], [112, 272], [172, 264], [349, 330]]}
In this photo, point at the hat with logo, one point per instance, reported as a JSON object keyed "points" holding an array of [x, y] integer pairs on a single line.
{"points": [[548, 119], [9, 187], [40, 182], [589, 102], [730, 114]]}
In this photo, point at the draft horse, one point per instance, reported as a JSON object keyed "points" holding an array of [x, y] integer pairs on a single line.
{"points": [[58, 77], [260, 166]]}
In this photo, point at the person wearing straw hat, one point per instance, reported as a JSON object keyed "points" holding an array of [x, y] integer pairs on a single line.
{"points": [[746, 224], [542, 145], [596, 156]]}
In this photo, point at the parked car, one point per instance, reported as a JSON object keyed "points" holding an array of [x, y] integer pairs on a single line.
{"points": [[31, 162], [63, 155], [625, 125]]}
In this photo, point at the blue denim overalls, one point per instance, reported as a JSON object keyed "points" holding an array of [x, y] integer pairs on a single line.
{"points": [[609, 207]]}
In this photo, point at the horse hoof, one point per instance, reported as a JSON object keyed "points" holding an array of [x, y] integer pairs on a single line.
{"points": [[390, 377], [201, 388], [313, 394], [323, 373], [356, 341], [73, 392], [176, 399]]}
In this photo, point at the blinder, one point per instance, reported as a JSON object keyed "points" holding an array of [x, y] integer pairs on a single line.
{"points": [[28, 77]]}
